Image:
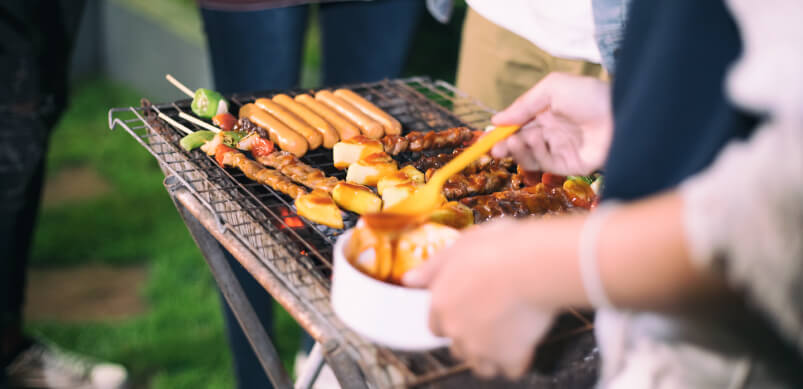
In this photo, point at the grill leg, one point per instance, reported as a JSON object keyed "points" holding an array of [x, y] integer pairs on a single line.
{"points": [[312, 367], [234, 295]]}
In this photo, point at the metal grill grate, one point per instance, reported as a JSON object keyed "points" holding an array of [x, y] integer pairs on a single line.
{"points": [[296, 251]]}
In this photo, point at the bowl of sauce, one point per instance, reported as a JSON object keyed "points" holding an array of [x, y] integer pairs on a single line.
{"points": [[367, 295]]}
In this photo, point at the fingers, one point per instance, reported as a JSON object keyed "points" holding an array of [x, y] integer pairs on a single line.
{"points": [[483, 367], [500, 150], [522, 153], [422, 275]]}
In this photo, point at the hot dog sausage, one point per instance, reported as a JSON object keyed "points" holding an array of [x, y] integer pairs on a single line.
{"points": [[368, 126], [287, 139], [313, 137], [330, 136], [344, 128], [390, 124]]}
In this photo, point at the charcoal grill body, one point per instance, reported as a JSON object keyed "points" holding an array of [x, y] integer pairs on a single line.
{"points": [[291, 257]]}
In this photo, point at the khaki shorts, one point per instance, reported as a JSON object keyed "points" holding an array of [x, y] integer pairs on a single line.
{"points": [[496, 66]]}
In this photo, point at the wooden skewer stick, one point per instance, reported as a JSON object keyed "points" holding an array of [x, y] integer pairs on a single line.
{"points": [[179, 85], [175, 123], [194, 120]]}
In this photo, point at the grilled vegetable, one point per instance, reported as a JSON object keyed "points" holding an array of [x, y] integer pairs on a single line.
{"points": [[453, 214], [225, 121], [597, 185], [319, 207], [394, 194], [415, 175], [587, 180], [392, 180], [351, 150], [356, 198], [579, 192], [208, 103], [196, 139], [552, 180], [370, 168], [220, 154], [232, 138]]}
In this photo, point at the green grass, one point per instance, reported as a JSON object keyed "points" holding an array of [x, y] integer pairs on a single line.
{"points": [[179, 341]]}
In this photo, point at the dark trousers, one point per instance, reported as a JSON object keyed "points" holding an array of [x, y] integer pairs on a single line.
{"points": [[262, 50]]}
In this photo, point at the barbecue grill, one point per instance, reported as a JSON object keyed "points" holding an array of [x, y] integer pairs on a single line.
{"points": [[291, 257]]}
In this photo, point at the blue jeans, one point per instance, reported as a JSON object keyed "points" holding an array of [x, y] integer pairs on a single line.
{"points": [[262, 50]]}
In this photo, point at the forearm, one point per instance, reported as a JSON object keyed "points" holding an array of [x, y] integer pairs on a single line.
{"points": [[641, 256]]}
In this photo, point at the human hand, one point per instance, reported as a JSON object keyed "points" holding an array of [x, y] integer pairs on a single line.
{"points": [[567, 126], [477, 302]]}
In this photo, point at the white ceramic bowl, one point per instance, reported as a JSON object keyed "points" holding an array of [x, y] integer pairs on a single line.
{"points": [[386, 314]]}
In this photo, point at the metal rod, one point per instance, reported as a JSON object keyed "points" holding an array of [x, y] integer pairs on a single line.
{"points": [[233, 293], [312, 368], [346, 369]]}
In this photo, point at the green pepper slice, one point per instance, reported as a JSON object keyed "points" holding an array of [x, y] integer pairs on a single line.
{"points": [[196, 139], [206, 103]]}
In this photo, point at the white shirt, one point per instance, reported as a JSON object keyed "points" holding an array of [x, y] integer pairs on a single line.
{"points": [[562, 28]]}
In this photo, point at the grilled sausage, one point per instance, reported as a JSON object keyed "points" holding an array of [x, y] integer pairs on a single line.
{"points": [[368, 126], [330, 136], [390, 124], [313, 137], [344, 128], [287, 139]]}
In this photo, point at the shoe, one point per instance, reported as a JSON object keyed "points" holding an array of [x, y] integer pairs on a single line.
{"points": [[44, 366]]}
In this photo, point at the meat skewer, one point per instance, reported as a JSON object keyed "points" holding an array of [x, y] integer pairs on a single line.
{"points": [[463, 184], [535, 200], [256, 172], [289, 165], [419, 141], [482, 164]]}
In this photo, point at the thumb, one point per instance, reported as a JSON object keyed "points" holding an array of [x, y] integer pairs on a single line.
{"points": [[422, 275], [527, 106]]}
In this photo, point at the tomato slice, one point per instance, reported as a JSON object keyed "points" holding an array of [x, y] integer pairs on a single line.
{"points": [[225, 121], [220, 152], [552, 180], [262, 147], [530, 178]]}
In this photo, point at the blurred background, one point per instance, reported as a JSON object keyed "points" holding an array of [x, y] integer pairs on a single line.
{"points": [[124, 280]]}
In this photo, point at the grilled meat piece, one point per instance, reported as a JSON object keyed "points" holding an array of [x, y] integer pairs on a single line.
{"points": [[419, 141], [289, 165], [462, 184], [263, 175], [535, 200], [483, 163]]}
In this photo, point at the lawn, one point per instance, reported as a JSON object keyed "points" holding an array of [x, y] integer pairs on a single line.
{"points": [[179, 341]]}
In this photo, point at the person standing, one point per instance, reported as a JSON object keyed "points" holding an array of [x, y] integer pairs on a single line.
{"points": [[509, 46], [258, 45], [36, 39]]}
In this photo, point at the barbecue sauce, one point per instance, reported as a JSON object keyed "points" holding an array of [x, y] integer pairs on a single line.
{"points": [[382, 233]]}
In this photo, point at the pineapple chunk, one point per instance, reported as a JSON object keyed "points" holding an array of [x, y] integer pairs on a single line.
{"points": [[319, 207], [453, 214], [370, 168], [356, 198], [394, 194], [414, 174], [352, 150], [400, 177]]}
